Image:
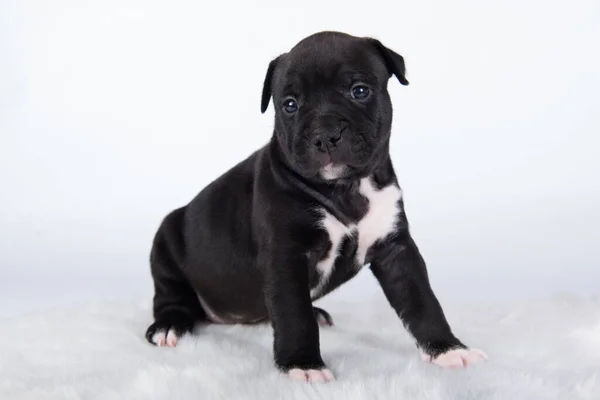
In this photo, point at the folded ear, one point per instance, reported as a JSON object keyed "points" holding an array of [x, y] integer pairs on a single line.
{"points": [[393, 61], [267, 85]]}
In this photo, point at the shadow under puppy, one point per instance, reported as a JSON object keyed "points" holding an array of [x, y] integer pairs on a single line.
{"points": [[303, 215]]}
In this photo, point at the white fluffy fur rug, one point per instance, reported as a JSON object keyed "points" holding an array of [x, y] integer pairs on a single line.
{"points": [[538, 350]]}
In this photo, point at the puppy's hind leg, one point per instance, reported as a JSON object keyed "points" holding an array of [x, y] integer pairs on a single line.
{"points": [[176, 306]]}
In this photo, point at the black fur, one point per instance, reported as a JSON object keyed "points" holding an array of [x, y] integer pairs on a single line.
{"points": [[246, 248]]}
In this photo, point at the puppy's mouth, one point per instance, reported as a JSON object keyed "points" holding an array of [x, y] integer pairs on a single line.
{"points": [[333, 171]]}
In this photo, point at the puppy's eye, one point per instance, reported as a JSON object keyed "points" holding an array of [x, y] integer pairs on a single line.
{"points": [[290, 106], [360, 92]]}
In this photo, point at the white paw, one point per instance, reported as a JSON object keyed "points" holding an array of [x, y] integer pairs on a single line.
{"points": [[457, 358], [311, 375], [163, 338]]}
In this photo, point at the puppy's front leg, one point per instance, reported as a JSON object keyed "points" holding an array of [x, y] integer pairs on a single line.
{"points": [[400, 269], [296, 332]]}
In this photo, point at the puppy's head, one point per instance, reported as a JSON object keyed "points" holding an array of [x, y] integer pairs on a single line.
{"points": [[333, 113]]}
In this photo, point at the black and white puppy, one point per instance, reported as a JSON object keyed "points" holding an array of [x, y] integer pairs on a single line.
{"points": [[303, 215]]}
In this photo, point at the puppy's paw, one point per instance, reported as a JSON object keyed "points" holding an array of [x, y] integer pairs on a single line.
{"points": [[456, 358], [162, 335], [323, 317], [168, 329], [311, 375]]}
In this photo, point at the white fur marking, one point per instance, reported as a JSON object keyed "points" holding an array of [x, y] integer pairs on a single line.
{"points": [[337, 232], [311, 375], [381, 218], [331, 171], [379, 221], [172, 338], [457, 358], [159, 338]]}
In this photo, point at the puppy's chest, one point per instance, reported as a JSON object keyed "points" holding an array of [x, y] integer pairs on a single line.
{"points": [[351, 242]]}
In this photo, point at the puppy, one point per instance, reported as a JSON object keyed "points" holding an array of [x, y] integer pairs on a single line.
{"points": [[303, 215]]}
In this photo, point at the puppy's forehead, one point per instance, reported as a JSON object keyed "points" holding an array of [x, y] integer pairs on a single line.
{"points": [[329, 55]]}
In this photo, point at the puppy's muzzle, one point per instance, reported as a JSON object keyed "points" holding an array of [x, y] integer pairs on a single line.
{"points": [[328, 135], [326, 140]]}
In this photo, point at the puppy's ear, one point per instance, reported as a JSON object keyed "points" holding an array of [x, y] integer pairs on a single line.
{"points": [[393, 60], [267, 85]]}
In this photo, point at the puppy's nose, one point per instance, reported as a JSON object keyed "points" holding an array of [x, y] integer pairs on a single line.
{"points": [[327, 139]]}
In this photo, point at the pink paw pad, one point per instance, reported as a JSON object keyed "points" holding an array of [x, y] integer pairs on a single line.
{"points": [[172, 338], [162, 338], [457, 358]]}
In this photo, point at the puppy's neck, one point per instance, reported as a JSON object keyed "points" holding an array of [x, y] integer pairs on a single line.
{"points": [[339, 197]]}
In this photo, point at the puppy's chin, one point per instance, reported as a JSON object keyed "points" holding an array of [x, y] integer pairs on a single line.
{"points": [[332, 171]]}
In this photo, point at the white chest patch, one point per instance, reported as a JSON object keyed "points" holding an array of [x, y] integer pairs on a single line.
{"points": [[379, 221]]}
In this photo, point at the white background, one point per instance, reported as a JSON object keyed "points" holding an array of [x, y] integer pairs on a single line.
{"points": [[112, 113]]}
